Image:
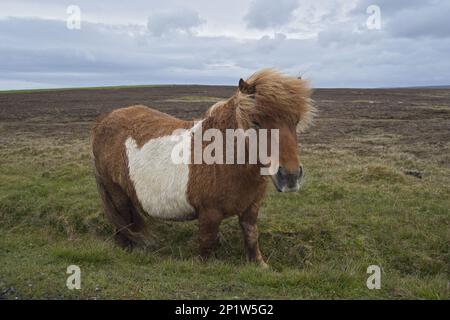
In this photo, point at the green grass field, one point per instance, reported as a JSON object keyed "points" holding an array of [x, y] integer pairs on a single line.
{"points": [[353, 211], [319, 242]]}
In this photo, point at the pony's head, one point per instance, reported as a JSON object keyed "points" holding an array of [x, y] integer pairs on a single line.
{"points": [[270, 100]]}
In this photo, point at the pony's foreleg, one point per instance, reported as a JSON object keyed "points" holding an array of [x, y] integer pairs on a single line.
{"points": [[208, 222], [250, 231]]}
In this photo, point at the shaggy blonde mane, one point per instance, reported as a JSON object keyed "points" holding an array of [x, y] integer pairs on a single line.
{"points": [[277, 96]]}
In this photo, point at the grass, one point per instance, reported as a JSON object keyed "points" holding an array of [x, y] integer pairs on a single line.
{"points": [[353, 211]]}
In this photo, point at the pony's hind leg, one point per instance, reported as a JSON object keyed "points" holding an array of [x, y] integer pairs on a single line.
{"points": [[121, 213]]}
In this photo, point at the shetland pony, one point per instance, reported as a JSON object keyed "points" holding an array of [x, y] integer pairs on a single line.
{"points": [[137, 178]]}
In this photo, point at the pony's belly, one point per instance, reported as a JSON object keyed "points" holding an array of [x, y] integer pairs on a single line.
{"points": [[160, 184]]}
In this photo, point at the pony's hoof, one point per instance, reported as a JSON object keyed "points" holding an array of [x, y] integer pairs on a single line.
{"points": [[263, 265]]}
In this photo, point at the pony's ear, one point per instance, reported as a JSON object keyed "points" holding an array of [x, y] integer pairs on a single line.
{"points": [[244, 87]]}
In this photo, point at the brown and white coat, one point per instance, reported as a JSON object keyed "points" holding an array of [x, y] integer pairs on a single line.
{"points": [[136, 177]]}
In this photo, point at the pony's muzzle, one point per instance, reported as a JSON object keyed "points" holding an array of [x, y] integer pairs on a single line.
{"points": [[288, 181]]}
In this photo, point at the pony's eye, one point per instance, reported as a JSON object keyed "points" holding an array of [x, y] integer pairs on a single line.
{"points": [[256, 125]]}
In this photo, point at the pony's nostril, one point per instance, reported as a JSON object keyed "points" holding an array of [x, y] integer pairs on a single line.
{"points": [[281, 171]]}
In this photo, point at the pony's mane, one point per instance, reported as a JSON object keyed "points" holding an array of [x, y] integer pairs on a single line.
{"points": [[276, 95]]}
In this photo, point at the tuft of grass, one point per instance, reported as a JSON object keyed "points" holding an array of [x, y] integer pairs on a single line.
{"points": [[80, 255], [382, 173], [375, 173]]}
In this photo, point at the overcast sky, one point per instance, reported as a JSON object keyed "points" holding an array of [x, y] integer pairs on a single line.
{"points": [[217, 42]]}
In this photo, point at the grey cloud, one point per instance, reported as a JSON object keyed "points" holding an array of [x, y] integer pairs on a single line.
{"points": [[431, 20], [263, 14], [44, 53], [267, 44], [170, 21], [347, 33]]}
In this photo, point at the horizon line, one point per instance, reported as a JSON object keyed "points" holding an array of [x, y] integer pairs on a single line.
{"points": [[130, 86]]}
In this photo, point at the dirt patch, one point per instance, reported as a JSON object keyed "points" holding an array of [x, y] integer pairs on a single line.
{"points": [[413, 121]]}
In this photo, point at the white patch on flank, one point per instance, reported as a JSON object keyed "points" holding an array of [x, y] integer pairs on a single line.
{"points": [[160, 184]]}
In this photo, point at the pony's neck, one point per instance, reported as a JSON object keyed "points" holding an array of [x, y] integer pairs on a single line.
{"points": [[222, 117]]}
